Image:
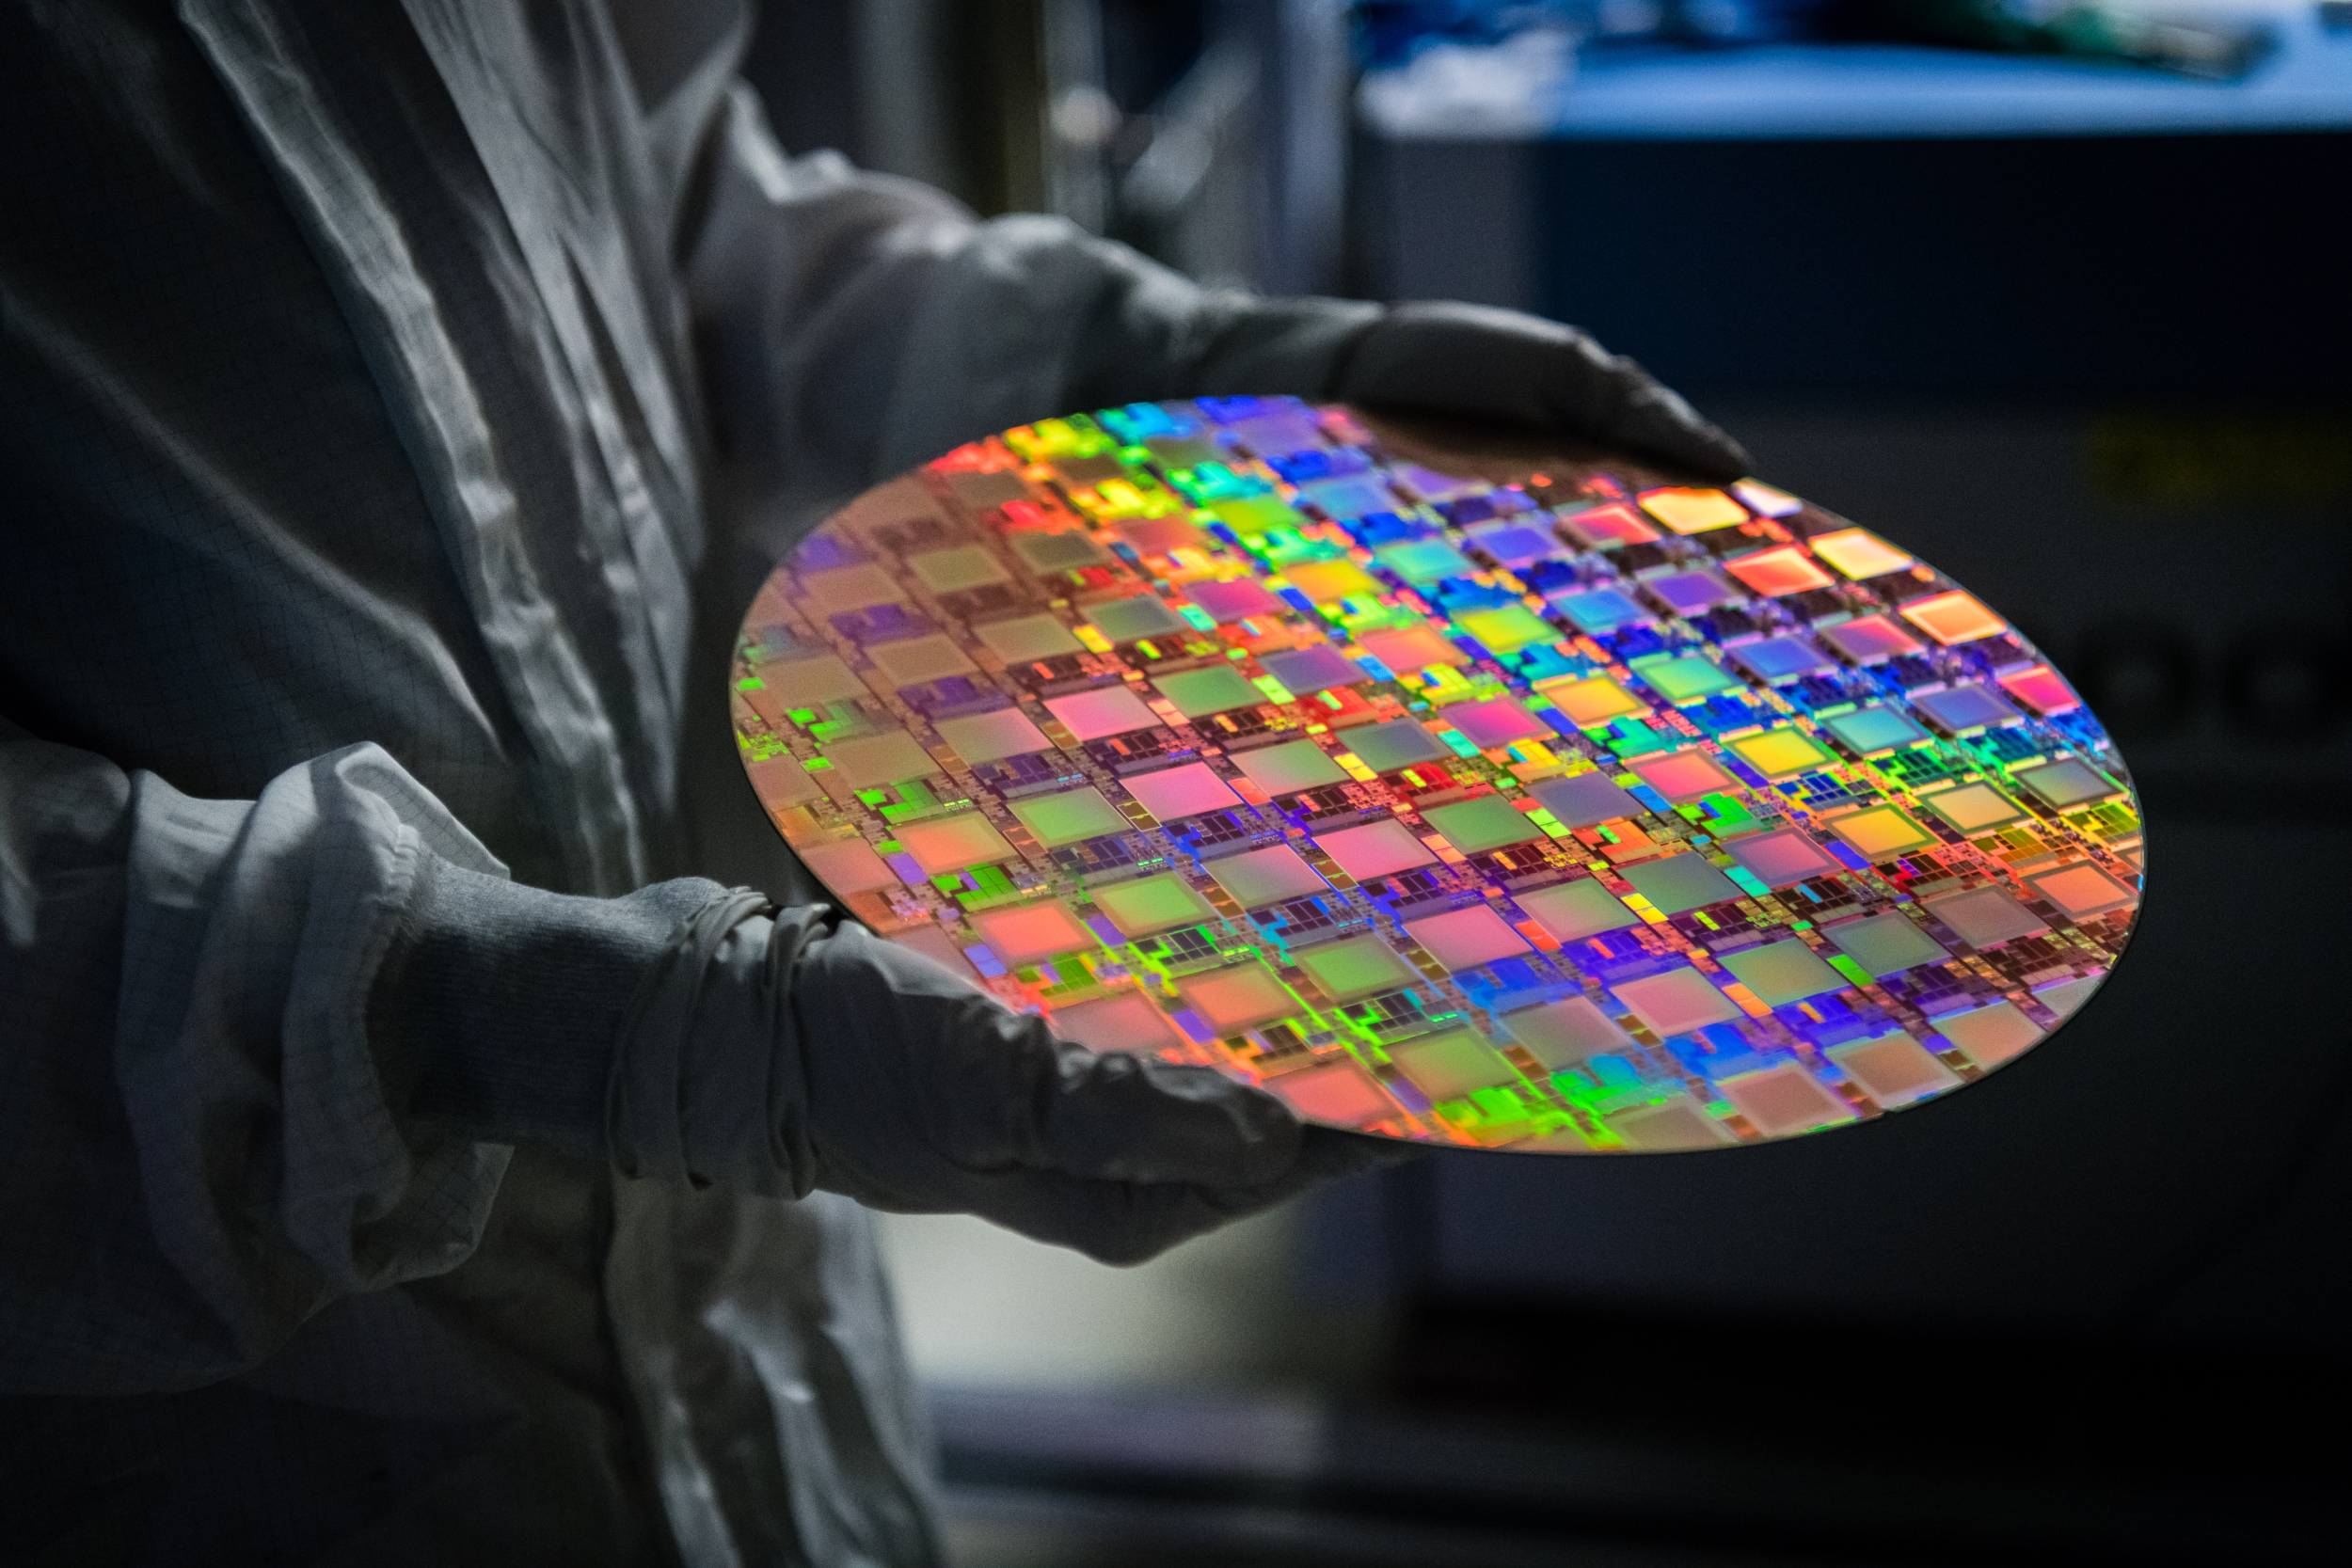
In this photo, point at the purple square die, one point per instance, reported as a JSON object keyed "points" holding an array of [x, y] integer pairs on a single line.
{"points": [[1584, 799], [1960, 710], [1689, 593], [1236, 600], [1778, 859], [1515, 544], [1601, 610], [1497, 722], [1308, 671], [1358, 495], [1778, 659]]}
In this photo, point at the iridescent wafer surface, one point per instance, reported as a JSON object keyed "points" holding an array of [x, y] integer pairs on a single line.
{"points": [[1539, 805]]}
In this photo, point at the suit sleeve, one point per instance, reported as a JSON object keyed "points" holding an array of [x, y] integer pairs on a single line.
{"points": [[199, 1144], [853, 324]]}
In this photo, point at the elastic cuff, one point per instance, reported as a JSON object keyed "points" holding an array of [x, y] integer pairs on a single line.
{"points": [[505, 1003], [706, 1089]]}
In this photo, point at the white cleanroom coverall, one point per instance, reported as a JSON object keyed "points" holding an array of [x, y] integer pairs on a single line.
{"points": [[402, 1158]]}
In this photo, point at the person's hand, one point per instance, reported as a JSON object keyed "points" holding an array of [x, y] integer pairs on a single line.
{"points": [[1472, 361], [928, 1096], [805, 1052]]}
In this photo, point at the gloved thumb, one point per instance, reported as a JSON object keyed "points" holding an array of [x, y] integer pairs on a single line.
{"points": [[1476, 361], [1127, 1222], [935, 1065], [1116, 1117]]}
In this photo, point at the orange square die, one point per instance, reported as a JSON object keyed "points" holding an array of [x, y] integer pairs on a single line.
{"points": [[781, 782], [1375, 849], [848, 866], [1326, 581], [1603, 526], [1123, 1020], [1339, 1094], [1859, 553], [2083, 889], [1105, 711], [1032, 933], [1786, 1098], [1684, 775], [1595, 701], [1953, 617], [1467, 938], [1690, 510], [1412, 649], [2042, 690], [1773, 572], [953, 843], [1238, 997]]}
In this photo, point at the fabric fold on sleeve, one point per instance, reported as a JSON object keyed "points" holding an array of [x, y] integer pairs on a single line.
{"points": [[200, 1141]]}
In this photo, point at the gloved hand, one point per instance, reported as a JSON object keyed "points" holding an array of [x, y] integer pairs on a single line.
{"points": [[1154, 334], [1474, 360], [813, 1054], [697, 1035]]}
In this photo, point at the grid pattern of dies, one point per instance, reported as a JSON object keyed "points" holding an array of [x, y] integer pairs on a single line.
{"points": [[1562, 814]]}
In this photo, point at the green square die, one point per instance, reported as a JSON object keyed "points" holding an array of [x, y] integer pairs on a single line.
{"points": [[1291, 767], [1027, 639], [1573, 911], [1219, 688], [1488, 822], [956, 569], [1258, 514], [1397, 743], [1149, 904], [1507, 628], [1358, 966], [1129, 620], [1871, 731], [1452, 1065], [1782, 972], [1069, 817], [1422, 561], [1885, 944], [1685, 679], [1679, 883]]}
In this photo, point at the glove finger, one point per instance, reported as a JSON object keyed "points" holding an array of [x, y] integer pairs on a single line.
{"points": [[1477, 360], [1116, 1117], [1631, 409], [1111, 1222], [938, 1072], [1327, 1154], [1124, 1223], [1446, 357]]}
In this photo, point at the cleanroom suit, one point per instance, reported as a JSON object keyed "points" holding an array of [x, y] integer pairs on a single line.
{"points": [[404, 1157]]}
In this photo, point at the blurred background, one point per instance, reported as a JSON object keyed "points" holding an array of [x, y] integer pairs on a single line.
{"points": [[2047, 290]]}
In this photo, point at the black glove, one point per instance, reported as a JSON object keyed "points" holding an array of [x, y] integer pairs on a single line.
{"points": [[693, 1033], [1151, 333], [793, 1047], [1472, 361]]}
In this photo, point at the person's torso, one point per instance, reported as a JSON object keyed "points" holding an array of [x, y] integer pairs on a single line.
{"points": [[344, 396], [321, 426]]}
